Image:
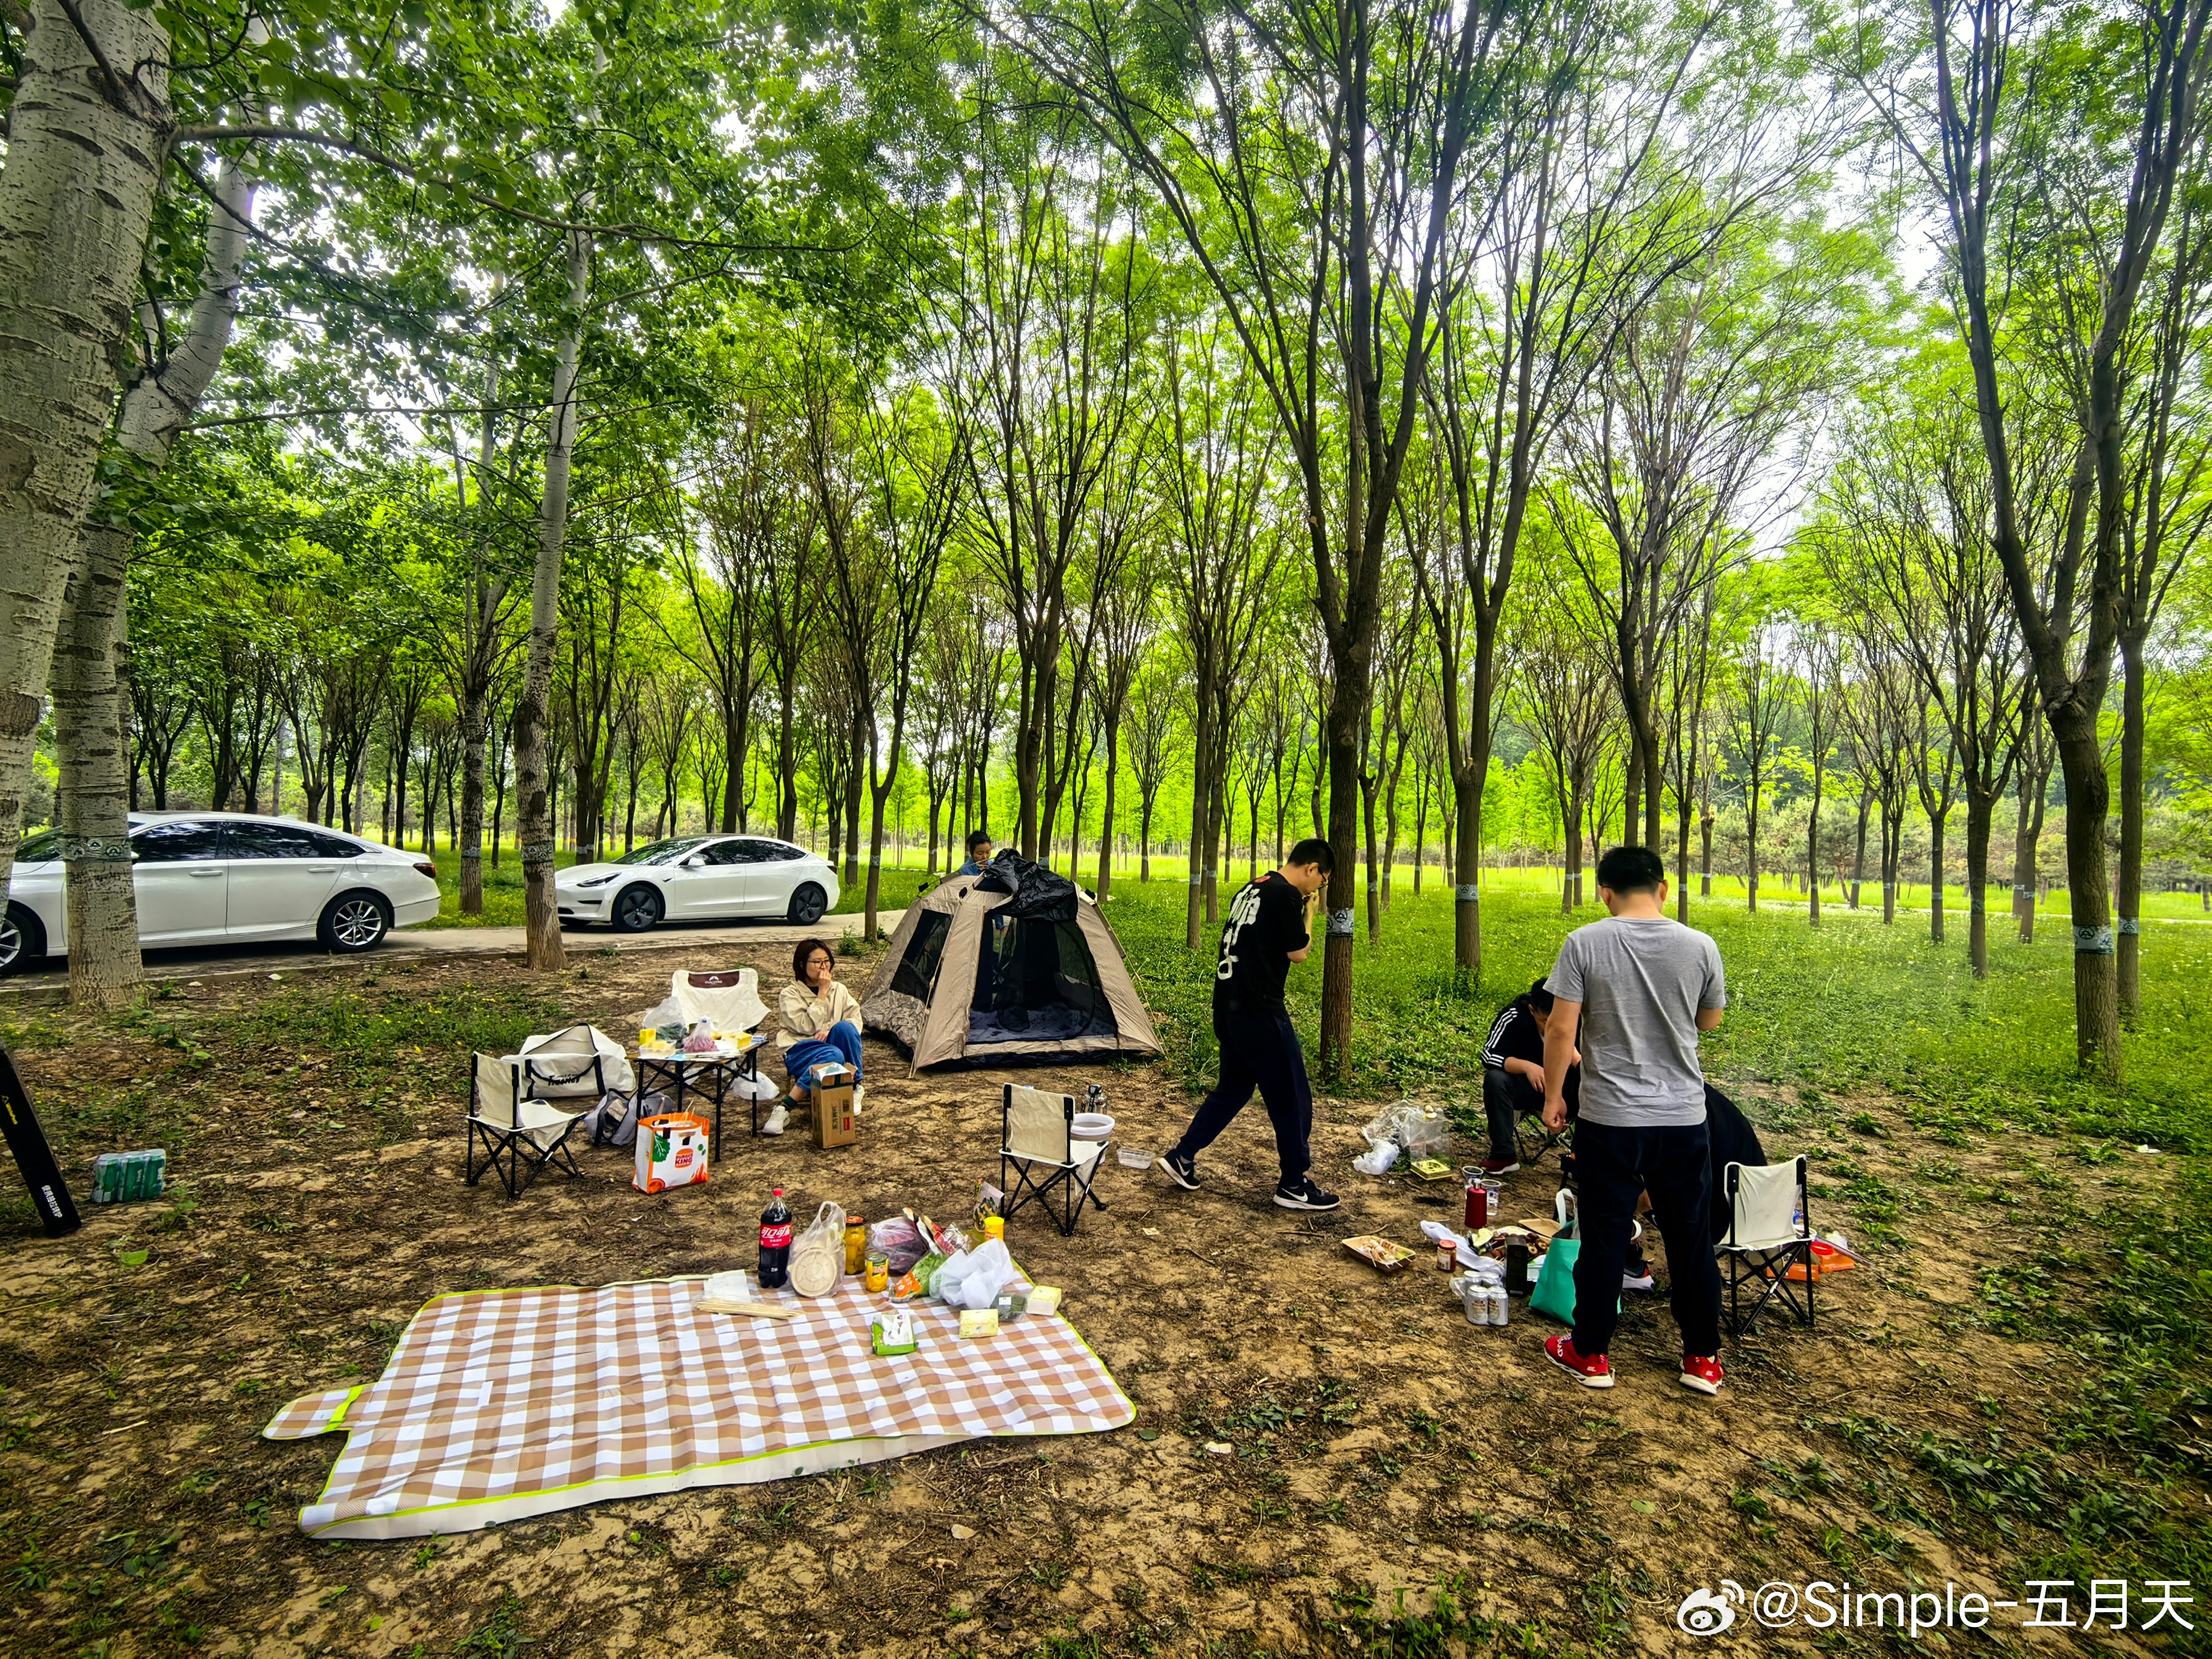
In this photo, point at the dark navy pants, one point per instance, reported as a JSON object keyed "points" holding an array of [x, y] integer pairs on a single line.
{"points": [[1259, 1051]]}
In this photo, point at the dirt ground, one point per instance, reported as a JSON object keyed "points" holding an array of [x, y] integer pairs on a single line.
{"points": [[1383, 1448]]}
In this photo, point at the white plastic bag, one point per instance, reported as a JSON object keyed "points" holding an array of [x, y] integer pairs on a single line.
{"points": [[818, 1255], [975, 1280], [1377, 1159], [665, 1019]]}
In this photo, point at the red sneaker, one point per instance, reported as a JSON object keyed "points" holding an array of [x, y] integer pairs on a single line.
{"points": [[1592, 1371], [1501, 1166], [1703, 1375]]}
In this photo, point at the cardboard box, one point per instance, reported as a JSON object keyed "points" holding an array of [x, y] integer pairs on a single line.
{"points": [[832, 1106]]}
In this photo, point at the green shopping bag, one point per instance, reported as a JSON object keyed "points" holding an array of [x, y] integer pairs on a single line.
{"points": [[1555, 1286]]}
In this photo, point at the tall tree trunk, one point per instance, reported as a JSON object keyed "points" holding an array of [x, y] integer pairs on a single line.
{"points": [[1682, 863], [2027, 837], [91, 686], [1858, 865], [76, 197], [1980, 813], [1812, 856], [533, 771], [1201, 793], [1106, 823], [1892, 839], [2096, 1000], [2128, 922], [1751, 853], [475, 687], [1935, 823], [1705, 849]]}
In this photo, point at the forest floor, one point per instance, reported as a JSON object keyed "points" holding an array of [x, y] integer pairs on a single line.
{"points": [[1400, 1481]]}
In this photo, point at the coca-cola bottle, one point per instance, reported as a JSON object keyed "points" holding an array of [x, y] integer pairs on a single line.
{"points": [[775, 1244]]}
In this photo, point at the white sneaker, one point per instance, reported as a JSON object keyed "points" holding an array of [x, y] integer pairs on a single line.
{"points": [[859, 1095], [776, 1120]]}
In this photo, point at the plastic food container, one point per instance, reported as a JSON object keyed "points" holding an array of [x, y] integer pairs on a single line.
{"points": [[1092, 1125], [1136, 1157]]}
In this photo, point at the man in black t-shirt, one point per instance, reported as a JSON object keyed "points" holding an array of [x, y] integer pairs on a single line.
{"points": [[1265, 932]]}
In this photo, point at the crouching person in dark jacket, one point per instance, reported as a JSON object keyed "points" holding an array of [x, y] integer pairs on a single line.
{"points": [[1513, 1075]]}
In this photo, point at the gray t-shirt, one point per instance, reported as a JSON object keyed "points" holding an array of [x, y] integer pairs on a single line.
{"points": [[1641, 981]]}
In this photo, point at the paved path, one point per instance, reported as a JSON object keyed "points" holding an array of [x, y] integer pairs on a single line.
{"points": [[413, 944]]}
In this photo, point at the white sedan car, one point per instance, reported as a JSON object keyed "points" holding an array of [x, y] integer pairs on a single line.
{"points": [[695, 876], [204, 878]]}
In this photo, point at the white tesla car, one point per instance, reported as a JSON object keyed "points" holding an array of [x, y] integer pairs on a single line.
{"points": [[695, 876], [204, 878]]}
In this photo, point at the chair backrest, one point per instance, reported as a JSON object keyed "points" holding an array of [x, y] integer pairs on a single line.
{"points": [[1764, 1202], [1039, 1125], [564, 1065], [729, 997], [495, 1089]]}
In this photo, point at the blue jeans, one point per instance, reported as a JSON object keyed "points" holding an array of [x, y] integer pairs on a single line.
{"points": [[842, 1045]]}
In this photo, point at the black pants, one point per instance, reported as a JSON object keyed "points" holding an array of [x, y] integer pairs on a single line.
{"points": [[1507, 1097], [1258, 1051], [1673, 1163]]}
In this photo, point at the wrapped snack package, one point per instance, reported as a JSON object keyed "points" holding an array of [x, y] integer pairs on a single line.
{"points": [[1380, 1252]]}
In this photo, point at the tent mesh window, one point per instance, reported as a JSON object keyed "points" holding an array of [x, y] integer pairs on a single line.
{"points": [[917, 969], [1037, 983]]}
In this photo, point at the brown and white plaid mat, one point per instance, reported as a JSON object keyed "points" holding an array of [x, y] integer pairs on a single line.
{"points": [[501, 1404]]}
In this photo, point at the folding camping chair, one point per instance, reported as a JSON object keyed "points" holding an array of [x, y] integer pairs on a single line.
{"points": [[1038, 1143], [730, 997], [520, 1135], [570, 1064], [1770, 1232]]}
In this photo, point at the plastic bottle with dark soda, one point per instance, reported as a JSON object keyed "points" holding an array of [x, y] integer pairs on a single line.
{"points": [[775, 1244]]}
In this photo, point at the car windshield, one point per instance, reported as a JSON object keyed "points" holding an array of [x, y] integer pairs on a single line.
{"points": [[663, 852]]}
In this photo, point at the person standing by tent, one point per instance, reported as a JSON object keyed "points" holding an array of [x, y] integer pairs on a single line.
{"points": [[979, 853], [1269, 926], [1637, 988]]}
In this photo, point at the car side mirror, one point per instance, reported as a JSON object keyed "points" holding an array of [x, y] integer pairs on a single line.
{"points": [[694, 862]]}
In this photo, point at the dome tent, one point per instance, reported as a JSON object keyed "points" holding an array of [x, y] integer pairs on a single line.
{"points": [[1016, 966]]}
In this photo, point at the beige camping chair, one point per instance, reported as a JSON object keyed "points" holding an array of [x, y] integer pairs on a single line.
{"points": [[1039, 1155], [579, 1062], [729, 997], [1769, 1231], [520, 1135]]}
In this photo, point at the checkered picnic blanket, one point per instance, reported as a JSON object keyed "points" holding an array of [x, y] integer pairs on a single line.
{"points": [[501, 1404]]}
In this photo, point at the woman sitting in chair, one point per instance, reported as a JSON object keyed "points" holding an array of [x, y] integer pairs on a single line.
{"points": [[817, 1023]]}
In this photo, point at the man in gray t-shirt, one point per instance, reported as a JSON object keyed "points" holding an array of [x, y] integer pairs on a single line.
{"points": [[1635, 991], [1642, 982]]}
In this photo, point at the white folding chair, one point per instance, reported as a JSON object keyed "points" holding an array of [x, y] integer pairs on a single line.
{"points": [[1037, 1143], [577, 1062], [1770, 1232], [729, 997], [520, 1135]]}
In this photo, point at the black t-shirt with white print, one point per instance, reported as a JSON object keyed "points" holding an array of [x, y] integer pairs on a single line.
{"points": [[1266, 922]]}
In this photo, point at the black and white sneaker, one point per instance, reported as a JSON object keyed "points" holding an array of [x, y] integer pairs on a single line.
{"points": [[1183, 1171], [1306, 1196]]}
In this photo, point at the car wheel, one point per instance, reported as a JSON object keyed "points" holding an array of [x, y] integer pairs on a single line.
{"points": [[22, 940], [637, 908], [807, 905], [354, 921]]}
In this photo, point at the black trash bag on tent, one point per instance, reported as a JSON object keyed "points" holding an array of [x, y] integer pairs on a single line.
{"points": [[1039, 894]]}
